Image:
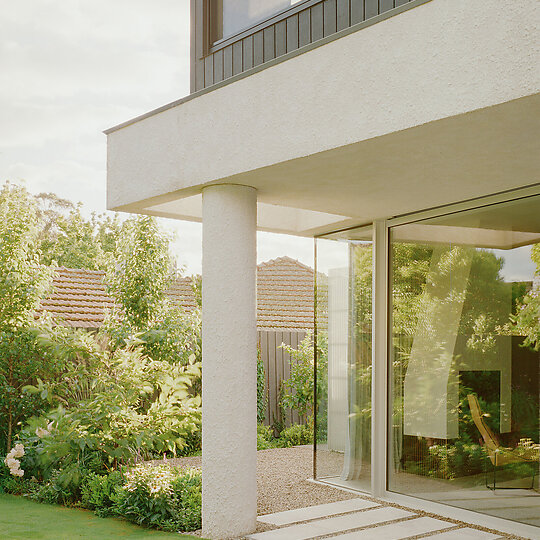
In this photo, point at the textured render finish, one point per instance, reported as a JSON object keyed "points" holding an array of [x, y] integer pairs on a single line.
{"points": [[443, 58], [229, 457]]}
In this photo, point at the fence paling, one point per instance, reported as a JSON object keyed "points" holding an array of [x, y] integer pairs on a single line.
{"points": [[277, 367]]}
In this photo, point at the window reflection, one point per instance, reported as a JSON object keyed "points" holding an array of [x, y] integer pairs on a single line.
{"points": [[344, 307], [237, 15], [465, 360]]}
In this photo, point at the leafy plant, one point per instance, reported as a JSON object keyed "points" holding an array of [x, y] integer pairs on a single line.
{"points": [[261, 389], [164, 497], [298, 389], [296, 435], [265, 437], [23, 282], [98, 492], [142, 273], [138, 281], [136, 407], [22, 362], [527, 318]]}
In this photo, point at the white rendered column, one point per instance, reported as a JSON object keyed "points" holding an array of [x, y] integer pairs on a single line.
{"points": [[229, 381]]}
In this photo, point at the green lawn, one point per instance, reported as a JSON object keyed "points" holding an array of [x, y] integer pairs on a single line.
{"points": [[22, 519]]}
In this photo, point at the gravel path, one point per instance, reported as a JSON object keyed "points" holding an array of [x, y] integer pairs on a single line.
{"points": [[282, 482]]}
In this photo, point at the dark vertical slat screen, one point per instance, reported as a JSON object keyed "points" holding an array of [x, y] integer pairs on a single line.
{"points": [[199, 75], [297, 30], [281, 38], [304, 28], [357, 11], [247, 46], [329, 9], [209, 70], [227, 62], [258, 51], [343, 14], [218, 66], [237, 61], [371, 8], [317, 27], [386, 5], [292, 33], [268, 38]]}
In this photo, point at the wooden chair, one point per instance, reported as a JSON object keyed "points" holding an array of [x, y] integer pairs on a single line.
{"points": [[497, 454]]}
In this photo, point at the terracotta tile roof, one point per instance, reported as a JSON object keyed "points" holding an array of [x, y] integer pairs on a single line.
{"points": [[284, 296], [79, 298]]}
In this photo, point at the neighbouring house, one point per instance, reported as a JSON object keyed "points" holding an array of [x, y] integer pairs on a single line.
{"points": [[404, 136], [79, 297], [285, 314]]}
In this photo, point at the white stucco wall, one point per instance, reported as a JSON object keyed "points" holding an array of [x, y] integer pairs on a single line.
{"points": [[443, 58]]}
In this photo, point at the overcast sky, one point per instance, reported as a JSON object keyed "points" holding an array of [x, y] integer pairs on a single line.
{"points": [[70, 69]]}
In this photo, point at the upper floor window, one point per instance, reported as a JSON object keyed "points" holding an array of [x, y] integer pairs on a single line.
{"points": [[228, 17]]}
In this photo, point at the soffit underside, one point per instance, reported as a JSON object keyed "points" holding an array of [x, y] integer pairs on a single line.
{"points": [[483, 152]]}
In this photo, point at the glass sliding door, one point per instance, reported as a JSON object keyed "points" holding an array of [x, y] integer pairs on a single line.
{"points": [[464, 359], [343, 297]]}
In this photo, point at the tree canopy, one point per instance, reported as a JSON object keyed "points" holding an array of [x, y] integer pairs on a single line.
{"points": [[23, 279]]}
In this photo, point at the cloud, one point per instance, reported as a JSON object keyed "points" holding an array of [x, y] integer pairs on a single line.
{"points": [[72, 68], [69, 179]]}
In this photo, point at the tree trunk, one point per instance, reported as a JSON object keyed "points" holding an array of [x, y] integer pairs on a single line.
{"points": [[10, 431], [10, 408]]}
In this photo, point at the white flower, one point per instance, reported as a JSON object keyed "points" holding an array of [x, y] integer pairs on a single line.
{"points": [[17, 472], [18, 450], [12, 463], [50, 426], [40, 432]]}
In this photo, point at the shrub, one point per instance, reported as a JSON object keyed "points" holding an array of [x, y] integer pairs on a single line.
{"points": [[454, 461], [296, 435], [298, 390], [136, 407], [265, 437], [98, 492], [164, 497], [22, 361], [54, 491]]}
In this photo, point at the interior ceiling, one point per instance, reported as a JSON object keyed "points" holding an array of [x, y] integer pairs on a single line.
{"points": [[458, 158]]}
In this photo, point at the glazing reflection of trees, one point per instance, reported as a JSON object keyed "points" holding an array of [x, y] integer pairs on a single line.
{"points": [[451, 333]]}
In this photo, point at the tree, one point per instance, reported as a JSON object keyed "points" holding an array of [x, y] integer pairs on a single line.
{"points": [[23, 282], [69, 239], [142, 274], [138, 282], [527, 318]]}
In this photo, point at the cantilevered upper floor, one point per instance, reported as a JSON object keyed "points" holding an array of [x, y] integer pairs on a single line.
{"points": [[340, 115]]}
